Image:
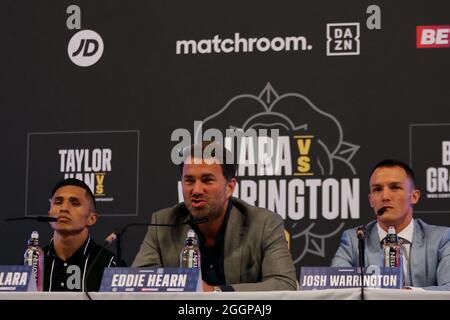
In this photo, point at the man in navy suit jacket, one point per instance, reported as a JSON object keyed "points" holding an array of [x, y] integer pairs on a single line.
{"points": [[426, 258]]}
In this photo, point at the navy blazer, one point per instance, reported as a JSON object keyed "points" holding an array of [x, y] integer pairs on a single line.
{"points": [[429, 262]]}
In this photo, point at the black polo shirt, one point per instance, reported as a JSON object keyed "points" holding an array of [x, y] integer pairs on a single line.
{"points": [[84, 267], [212, 258]]}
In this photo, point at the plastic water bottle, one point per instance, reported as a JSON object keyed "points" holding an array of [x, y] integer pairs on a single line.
{"points": [[392, 250], [190, 254], [34, 257]]}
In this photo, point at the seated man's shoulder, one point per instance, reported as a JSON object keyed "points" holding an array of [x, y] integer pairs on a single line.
{"points": [[254, 213], [105, 257], [431, 229]]}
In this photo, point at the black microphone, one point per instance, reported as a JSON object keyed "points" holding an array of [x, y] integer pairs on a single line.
{"points": [[37, 218], [121, 230], [118, 233], [361, 235], [381, 211]]}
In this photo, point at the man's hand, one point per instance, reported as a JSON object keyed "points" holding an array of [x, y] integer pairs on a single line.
{"points": [[207, 287]]}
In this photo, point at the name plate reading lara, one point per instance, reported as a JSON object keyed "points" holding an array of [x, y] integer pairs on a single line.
{"points": [[16, 278]]}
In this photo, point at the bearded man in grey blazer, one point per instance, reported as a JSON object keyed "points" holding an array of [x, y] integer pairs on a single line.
{"points": [[243, 248], [426, 248]]}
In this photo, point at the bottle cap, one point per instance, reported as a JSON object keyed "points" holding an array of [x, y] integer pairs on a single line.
{"points": [[191, 234], [391, 230]]}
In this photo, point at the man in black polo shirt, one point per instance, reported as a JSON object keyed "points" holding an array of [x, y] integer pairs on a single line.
{"points": [[72, 259]]}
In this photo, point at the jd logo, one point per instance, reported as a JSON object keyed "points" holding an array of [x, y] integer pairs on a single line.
{"points": [[85, 48], [84, 44]]}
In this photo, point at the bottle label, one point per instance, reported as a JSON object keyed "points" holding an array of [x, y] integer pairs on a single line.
{"points": [[193, 259], [34, 258], [37, 266], [392, 256]]}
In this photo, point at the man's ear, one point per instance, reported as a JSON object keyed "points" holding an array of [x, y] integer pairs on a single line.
{"points": [[370, 200], [415, 196], [230, 187], [92, 219]]}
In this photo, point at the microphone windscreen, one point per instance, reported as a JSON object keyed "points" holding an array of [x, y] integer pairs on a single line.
{"points": [[360, 232], [46, 219], [110, 239]]}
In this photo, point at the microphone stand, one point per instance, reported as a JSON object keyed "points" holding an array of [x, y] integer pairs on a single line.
{"points": [[361, 233], [36, 218], [121, 231]]}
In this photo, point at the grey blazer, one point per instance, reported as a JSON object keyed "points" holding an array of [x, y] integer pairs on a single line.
{"points": [[256, 256], [429, 261]]}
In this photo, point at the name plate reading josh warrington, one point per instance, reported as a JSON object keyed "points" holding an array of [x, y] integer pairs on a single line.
{"points": [[16, 278], [151, 280], [317, 278]]}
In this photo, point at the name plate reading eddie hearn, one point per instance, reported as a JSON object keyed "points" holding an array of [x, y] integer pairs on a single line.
{"points": [[316, 278], [151, 280]]}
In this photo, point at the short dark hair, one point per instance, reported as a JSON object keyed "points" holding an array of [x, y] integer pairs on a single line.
{"points": [[226, 157], [389, 163], [74, 182]]}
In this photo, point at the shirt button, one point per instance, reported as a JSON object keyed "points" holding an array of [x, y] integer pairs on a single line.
{"points": [[211, 266], [65, 264], [62, 284]]}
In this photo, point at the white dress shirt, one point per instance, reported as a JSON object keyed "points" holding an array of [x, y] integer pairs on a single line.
{"points": [[406, 234]]}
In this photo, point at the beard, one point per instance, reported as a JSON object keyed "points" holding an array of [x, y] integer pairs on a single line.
{"points": [[210, 211]]}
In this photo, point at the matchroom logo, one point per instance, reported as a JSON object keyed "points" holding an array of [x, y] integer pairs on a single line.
{"points": [[107, 161], [292, 159], [238, 44]]}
